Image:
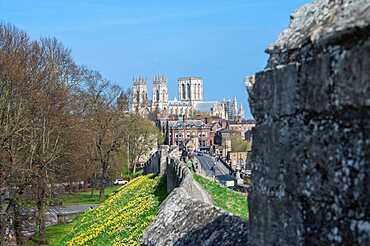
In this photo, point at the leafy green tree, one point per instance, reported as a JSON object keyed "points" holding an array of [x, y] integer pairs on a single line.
{"points": [[140, 137], [238, 144]]}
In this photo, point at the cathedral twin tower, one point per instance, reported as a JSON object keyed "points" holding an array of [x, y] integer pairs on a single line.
{"points": [[190, 93]]}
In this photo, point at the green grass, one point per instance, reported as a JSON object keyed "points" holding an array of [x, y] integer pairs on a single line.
{"points": [[84, 197], [131, 176], [55, 233], [229, 200], [123, 217], [161, 189]]}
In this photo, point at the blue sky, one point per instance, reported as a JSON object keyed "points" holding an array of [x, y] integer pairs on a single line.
{"points": [[220, 40]]}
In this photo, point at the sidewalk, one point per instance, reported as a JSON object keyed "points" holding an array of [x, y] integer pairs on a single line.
{"points": [[199, 193]]}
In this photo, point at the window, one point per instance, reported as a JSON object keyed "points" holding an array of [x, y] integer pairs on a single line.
{"points": [[202, 143], [183, 91], [188, 134], [164, 95], [157, 96], [189, 97]]}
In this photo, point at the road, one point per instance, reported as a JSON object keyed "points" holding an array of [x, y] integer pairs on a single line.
{"points": [[30, 227], [221, 172]]}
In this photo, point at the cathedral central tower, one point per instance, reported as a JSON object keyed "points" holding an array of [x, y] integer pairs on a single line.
{"points": [[160, 94], [190, 89]]}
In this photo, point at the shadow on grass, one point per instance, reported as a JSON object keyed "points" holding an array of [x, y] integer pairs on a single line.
{"points": [[161, 189]]}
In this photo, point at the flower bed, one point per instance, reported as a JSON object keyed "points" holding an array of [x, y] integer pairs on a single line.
{"points": [[122, 218]]}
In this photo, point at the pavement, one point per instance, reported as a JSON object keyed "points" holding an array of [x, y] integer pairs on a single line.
{"points": [[205, 167], [221, 172], [200, 194], [30, 227]]}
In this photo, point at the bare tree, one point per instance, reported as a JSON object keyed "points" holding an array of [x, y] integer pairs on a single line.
{"points": [[54, 75], [103, 117], [14, 97]]}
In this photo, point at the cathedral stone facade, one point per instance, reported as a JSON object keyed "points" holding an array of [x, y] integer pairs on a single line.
{"points": [[140, 102], [190, 94], [190, 90], [227, 110]]}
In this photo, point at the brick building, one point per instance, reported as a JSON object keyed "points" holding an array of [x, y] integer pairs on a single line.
{"points": [[179, 132], [244, 127]]}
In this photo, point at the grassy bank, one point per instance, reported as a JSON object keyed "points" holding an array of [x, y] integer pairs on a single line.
{"points": [[56, 233], [132, 175], [84, 197], [123, 217], [231, 201]]}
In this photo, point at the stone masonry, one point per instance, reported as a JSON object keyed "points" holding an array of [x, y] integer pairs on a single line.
{"points": [[311, 149], [311, 177], [182, 220]]}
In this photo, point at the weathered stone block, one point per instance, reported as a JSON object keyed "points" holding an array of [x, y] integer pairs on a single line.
{"points": [[311, 174]]}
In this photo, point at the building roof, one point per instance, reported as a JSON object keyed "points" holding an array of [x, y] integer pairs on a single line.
{"points": [[242, 122], [204, 106], [178, 103], [189, 78], [184, 124], [228, 131]]}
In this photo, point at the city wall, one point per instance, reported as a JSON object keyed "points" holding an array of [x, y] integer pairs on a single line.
{"points": [[182, 220], [311, 146]]}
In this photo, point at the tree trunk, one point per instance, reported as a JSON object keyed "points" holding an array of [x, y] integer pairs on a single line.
{"points": [[84, 188], [134, 166], [4, 224], [41, 215], [103, 181], [102, 188], [92, 183], [18, 225]]}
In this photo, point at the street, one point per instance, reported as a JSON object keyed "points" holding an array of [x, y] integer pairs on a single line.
{"points": [[221, 172]]}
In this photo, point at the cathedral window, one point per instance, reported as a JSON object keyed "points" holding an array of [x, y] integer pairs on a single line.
{"points": [[183, 91], [163, 95], [157, 96], [189, 95]]}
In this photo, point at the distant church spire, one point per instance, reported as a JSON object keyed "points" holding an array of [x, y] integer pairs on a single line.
{"points": [[241, 111]]}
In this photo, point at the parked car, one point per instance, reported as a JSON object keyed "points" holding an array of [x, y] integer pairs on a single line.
{"points": [[120, 181], [200, 153]]}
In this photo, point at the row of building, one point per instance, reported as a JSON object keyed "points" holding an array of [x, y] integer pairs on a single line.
{"points": [[191, 122], [190, 100], [209, 133]]}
